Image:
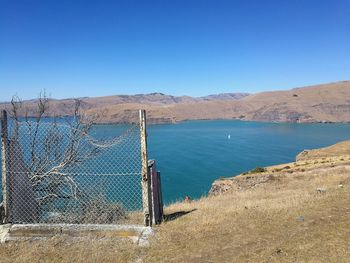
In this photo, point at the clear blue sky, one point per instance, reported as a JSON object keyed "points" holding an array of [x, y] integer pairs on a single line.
{"points": [[76, 48]]}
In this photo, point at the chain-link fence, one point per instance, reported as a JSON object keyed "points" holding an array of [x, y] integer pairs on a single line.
{"points": [[57, 172]]}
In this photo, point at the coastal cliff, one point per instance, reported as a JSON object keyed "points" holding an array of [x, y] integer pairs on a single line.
{"points": [[308, 162]]}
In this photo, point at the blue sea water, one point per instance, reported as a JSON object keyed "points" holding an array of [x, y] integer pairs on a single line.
{"points": [[192, 154]]}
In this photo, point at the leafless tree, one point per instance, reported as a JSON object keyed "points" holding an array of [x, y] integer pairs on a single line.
{"points": [[43, 153]]}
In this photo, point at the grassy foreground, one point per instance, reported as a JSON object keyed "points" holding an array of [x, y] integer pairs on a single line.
{"points": [[283, 219]]}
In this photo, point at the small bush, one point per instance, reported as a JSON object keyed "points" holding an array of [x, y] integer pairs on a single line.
{"points": [[96, 210], [273, 177], [100, 211], [257, 170]]}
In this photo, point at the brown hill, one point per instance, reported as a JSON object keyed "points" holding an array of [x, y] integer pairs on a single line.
{"points": [[328, 102], [319, 103]]}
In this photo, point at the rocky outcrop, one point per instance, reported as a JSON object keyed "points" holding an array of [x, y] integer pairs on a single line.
{"points": [[239, 183]]}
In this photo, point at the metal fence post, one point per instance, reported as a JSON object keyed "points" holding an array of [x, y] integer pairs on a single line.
{"points": [[145, 182], [4, 145]]}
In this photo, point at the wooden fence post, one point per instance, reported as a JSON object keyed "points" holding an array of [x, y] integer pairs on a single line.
{"points": [[154, 201], [4, 146], [156, 193], [160, 197], [145, 182]]}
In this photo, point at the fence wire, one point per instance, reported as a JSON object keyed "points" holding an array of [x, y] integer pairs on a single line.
{"points": [[58, 173]]}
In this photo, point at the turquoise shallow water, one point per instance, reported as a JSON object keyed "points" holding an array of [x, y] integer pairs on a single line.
{"points": [[192, 154]]}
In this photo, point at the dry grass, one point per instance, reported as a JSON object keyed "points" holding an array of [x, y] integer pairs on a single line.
{"points": [[282, 220], [261, 224], [61, 250], [340, 149]]}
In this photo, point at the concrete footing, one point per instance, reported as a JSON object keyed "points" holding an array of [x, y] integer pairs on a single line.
{"points": [[25, 232]]}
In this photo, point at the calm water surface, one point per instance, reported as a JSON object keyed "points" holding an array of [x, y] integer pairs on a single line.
{"points": [[191, 155]]}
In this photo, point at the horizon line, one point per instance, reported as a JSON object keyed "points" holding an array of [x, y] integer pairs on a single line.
{"points": [[179, 96]]}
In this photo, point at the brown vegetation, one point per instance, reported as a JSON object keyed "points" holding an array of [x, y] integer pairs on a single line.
{"points": [[320, 103], [340, 149], [297, 212]]}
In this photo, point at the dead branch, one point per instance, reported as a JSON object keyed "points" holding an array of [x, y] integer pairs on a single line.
{"points": [[53, 151]]}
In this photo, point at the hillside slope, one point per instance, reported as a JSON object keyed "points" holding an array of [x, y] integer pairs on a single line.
{"points": [[337, 150], [329, 102], [320, 103], [298, 212]]}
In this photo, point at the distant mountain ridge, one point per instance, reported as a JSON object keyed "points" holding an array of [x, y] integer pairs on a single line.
{"points": [[151, 98], [63, 107], [161, 98], [319, 103], [225, 96]]}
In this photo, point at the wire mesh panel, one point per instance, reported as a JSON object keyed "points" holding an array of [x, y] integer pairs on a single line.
{"points": [[59, 172]]}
